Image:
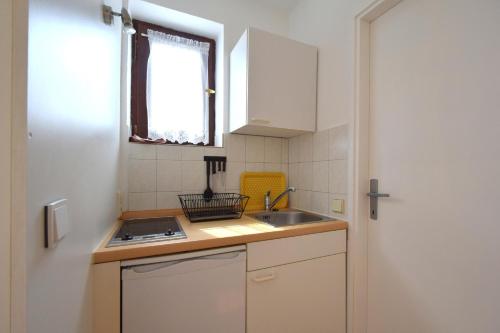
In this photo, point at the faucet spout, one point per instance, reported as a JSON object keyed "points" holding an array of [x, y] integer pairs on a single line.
{"points": [[270, 205]]}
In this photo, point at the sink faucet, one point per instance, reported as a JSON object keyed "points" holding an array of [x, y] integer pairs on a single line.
{"points": [[267, 200]]}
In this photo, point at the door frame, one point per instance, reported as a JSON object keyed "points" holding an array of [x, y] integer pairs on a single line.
{"points": [[19, 159], [5, 164], [358, 232]]}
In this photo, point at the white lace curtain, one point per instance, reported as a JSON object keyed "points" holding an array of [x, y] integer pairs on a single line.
{"points": [[176, 82]]}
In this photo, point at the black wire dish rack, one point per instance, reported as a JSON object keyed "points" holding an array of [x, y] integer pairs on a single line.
{"points": [[220, 206]]}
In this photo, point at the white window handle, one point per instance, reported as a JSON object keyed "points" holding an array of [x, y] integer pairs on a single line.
{"points": [[264, 278], [259, 121]]}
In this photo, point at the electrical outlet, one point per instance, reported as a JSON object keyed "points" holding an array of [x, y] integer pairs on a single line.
{"points": [[338, 206]]}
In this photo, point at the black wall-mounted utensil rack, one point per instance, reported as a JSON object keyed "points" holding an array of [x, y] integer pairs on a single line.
{"points": [[217, 163]]}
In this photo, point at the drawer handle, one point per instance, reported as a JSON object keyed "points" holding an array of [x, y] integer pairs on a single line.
{"points": [[264, 278]]}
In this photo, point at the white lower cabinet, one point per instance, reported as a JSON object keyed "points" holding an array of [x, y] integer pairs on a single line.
{"points": [[301, 296]]}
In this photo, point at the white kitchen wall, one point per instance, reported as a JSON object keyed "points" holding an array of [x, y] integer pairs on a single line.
{"points": [[73, 121], [318, 169], [158, 173], [329, 25], [5, 161]]}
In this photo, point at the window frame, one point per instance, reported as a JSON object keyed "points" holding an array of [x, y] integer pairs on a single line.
{"points": [[139, 69]]}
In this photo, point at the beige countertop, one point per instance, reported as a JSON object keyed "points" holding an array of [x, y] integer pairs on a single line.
{"points": [[205, 235]]}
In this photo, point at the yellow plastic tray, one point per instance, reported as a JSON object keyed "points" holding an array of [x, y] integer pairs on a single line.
{"points": [[256, 184]]}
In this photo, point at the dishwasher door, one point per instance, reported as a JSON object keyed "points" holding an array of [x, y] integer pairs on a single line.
{"points": [[195, 292]]}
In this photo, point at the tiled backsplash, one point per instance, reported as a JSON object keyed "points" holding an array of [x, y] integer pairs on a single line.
{"points": [[316, 164], [318, 169], [158, 173]]}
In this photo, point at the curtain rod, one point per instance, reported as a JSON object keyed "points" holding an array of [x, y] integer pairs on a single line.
{"points": [[147, 36]]}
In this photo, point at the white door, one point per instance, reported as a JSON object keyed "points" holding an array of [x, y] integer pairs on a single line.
{"points": [[434, 252]]}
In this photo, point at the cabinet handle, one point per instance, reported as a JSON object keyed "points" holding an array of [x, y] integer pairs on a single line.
{"points": [[264, 278], [260, 121]]}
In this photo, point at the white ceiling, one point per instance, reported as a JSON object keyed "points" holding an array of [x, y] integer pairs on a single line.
{"points": [[285, 5]]}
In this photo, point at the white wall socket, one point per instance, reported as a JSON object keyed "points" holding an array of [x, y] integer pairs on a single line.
{"points": [[338, 206]]}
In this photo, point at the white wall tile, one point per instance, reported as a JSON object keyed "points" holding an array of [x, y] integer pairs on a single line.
{"points": [[235, 147], [305, 176], [305, 198], [319, 203], [193, 176], [320, 146], [299, 176], [233, 172], [308, 178], [293, 200], [272, 150], [169, 152], [255, 146], [141, 151], [142, 201], [254, 167], [218, 182], [293, 175], [142, 175], [215, 151], [338, 176], [293, 150], [272, 167], [167, 200], [320, 176], [285, 170], [284, 151], [157, 173], [339, 142], [306, 147], [192, 153], [169, 176]]}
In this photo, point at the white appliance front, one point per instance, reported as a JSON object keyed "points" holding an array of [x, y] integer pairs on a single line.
{"points": [[194, 292]]}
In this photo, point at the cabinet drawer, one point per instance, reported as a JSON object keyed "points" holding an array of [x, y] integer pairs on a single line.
{"points": [[292, 249]]}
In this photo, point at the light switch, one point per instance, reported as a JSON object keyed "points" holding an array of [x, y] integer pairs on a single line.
{"points": [[56, 222], [338, 206]]}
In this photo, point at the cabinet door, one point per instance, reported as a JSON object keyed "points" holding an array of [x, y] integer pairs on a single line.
{"points": [[281, 82], [306, 296]]}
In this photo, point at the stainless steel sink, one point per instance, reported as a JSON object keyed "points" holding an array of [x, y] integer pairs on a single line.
{"points": [[289, 217]]}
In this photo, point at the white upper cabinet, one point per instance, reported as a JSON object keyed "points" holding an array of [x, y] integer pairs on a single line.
{"points": [[272, 85]]}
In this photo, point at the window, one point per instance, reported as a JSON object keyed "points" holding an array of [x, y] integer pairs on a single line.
{"points": [[173, 77]]}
